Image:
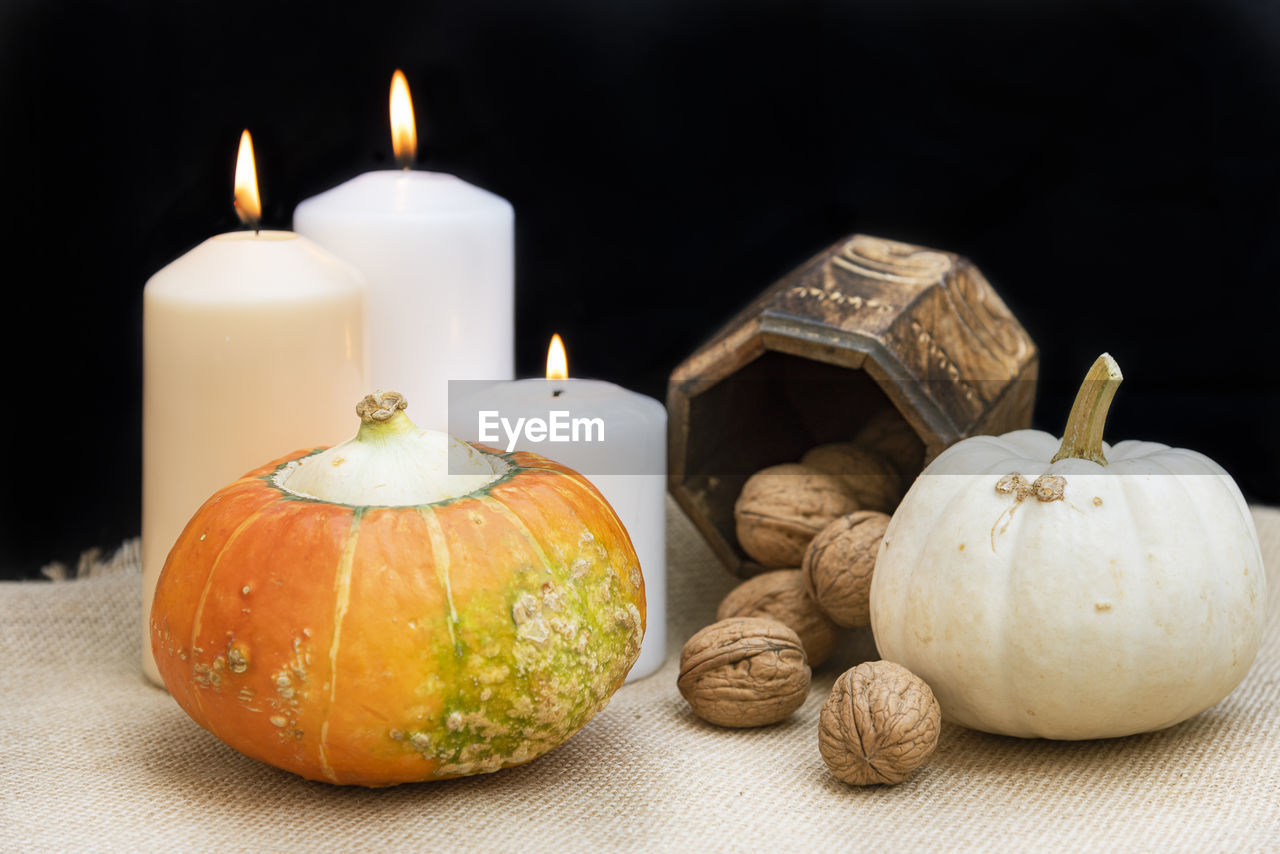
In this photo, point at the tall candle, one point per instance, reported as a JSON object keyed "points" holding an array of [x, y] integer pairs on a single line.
{"points": [[243, 318], [438, 254], [614, 437]]}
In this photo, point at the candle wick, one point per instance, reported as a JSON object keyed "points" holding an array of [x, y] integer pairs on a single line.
{"points": [[557, 392]]}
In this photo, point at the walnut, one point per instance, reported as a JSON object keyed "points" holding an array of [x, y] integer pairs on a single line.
{"points": [[781, 595], [871, 479], [887, 433], [782, 507], [879, 724], [839, 564], [744, 671]]}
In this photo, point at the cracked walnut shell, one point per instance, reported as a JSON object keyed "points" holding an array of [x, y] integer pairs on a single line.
{"points": [[840, 563], [888, 434], [879, 724], [781, 595], [782, 507], [743, 672], [868, 476]]}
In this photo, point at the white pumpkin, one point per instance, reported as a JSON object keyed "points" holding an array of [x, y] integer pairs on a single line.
{"points": [[1104, 591]]}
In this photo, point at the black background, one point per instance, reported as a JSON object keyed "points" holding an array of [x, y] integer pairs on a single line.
{"points": [[1111, 167]]}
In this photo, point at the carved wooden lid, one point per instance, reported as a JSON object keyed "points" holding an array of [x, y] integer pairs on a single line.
{"points": [[925, 324]]}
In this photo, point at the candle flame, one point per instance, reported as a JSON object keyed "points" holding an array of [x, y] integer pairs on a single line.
{"points": [[557, 361], [404, 134], [247, 204]]}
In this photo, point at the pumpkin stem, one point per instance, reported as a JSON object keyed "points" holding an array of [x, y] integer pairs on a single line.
{"points": [[382, 416], [380, 406], [1082, 438]]}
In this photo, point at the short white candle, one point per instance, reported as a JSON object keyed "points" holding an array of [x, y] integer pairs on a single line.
{"points": [[439, 258], [628, 463], [243, 318]]}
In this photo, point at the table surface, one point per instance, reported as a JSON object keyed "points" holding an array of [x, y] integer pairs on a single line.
{"points": [[92, 757]]}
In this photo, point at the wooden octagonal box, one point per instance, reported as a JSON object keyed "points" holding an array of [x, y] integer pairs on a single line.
{"points": [[868, 329]]}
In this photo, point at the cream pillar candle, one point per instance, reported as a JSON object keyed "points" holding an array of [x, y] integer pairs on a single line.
{"points": [[242, 318], [615, 437], [439, 258]]}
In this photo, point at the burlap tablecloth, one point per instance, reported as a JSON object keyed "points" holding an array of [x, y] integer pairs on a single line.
{"points": [[92, 758]]}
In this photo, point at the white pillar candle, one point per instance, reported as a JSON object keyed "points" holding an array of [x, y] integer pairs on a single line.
{"points": [[439, 257], [242, 318], [621, 447]]}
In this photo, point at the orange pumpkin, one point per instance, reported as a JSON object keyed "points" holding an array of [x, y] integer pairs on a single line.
{"points": [[364, 643]]}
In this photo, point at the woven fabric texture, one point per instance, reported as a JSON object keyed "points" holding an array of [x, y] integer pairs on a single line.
{"points": [[92, 757]]}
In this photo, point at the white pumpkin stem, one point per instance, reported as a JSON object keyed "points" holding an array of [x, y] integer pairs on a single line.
{"points": [[1082, 439]]}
